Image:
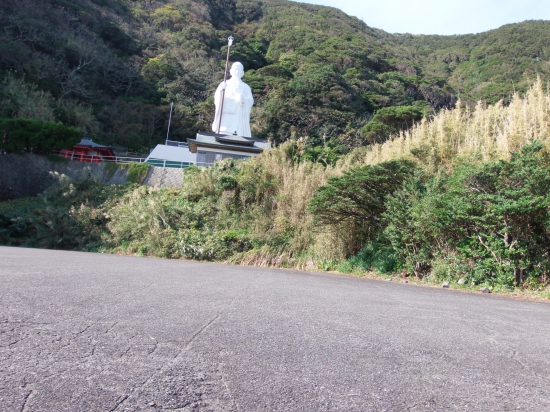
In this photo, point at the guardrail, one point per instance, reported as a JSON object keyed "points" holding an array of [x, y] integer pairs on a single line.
{"points": [[169, 163], [125, 159], [176, 143], [81, 157]]}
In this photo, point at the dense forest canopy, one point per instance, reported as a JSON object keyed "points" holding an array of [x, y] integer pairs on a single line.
{"points": [[112, 67]]}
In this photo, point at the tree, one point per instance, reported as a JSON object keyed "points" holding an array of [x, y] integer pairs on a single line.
{"points": [[492, 218], [391, 120], [29, 135], [358, 198]]}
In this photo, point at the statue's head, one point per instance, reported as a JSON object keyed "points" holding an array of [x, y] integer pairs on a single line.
{"points": [[237, 70]]}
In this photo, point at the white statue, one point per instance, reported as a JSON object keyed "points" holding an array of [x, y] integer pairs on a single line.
{"points": [[237, 103]]}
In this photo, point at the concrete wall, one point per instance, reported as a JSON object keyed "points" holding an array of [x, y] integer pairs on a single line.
{"points": [[29, 174], [164, 177]]}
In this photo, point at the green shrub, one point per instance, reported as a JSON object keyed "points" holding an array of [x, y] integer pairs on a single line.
{"points": [[494, 218], [70, 215], [109, 169], [410, 221], [391, 120], [378, 256], [29, 135], [359, 197], [213, 246], [137, 172]]}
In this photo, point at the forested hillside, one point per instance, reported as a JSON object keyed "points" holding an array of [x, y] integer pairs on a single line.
{"points": [[111, 68], [489, 66]]}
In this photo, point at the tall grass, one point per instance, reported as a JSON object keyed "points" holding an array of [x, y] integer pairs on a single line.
{"points": [[252, 212], [283, 213], [484, 133], [256, 212]]}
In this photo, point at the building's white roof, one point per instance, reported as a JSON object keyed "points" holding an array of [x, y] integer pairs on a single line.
{"points": [[173, 154]]}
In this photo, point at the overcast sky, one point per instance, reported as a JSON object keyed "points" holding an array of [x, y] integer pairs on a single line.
{"points": [[440, 16]]}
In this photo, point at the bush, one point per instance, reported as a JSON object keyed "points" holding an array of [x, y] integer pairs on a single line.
{"points": [[70, 216], [493, 217], [359, 197], [391, 120], [411, 222], [137, 172], [29, 135], [378, 256]]}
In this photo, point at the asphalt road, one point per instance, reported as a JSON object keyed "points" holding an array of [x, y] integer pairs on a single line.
{"points": [[92, 332]]}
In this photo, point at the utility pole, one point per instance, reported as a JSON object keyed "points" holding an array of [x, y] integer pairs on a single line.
{"points": [[169, 121]]}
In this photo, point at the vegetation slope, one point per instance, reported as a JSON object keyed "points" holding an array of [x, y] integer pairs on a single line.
{"points": [[463, 198], [461, 195]]}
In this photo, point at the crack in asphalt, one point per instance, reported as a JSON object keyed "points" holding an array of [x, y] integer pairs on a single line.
{"points": [[514, 356], [25, 401], [198, 333], [82, 331], [172, 361], [155, 347], [120, 402], [110, 328]]}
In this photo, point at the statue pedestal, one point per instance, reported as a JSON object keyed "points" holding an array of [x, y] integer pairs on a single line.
{"points": [[211, 147]]}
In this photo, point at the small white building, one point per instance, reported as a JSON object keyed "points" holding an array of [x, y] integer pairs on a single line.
{"points": [[205, 150], [172, 154]]}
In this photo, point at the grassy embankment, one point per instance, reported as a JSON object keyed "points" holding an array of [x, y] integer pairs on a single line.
{"points": [[460, 207]]}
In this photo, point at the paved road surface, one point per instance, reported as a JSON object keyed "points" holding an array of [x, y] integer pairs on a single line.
{"points": [[91, 332]]}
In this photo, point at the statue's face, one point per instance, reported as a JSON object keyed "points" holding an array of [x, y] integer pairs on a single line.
{"points": [[237, 70]]}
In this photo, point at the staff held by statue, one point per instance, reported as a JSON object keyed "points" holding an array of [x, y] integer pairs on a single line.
{"points": [[229, 43]]}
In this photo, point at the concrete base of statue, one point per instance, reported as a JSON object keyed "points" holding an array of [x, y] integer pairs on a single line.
{"points": [[211, 147]]}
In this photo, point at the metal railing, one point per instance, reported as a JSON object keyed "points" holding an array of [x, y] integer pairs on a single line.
{"points": [[69, 154], [176, 144], [169, 163], [123, 151], [80, 157]]}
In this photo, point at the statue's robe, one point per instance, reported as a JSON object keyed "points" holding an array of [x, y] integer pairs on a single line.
{"points": [[235, 117]]}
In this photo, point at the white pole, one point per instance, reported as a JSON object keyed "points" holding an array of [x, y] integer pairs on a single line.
{"points": [[229, 43], [169, 120]]}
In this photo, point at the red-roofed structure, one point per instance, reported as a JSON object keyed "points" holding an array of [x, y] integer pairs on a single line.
{"points": [[88, 151]]}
